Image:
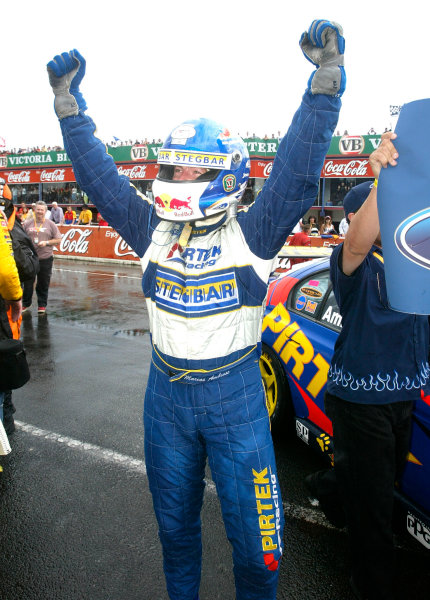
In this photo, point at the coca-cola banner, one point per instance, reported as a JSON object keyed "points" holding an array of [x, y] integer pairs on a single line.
{"points": [[93, 242], [39, 175], [336, 167], [106, 243], [66, 174], [343, 167], [333, 167], [142, 171]]}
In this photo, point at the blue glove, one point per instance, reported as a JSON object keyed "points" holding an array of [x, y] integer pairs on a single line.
{"points": [[66, 72], [324, 46]]}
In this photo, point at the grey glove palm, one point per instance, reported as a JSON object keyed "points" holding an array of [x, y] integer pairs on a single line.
{"points": [[324, 45], [66, 72]]}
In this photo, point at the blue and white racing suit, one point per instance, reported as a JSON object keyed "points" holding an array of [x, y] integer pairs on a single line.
{"points": [[205, 399]]}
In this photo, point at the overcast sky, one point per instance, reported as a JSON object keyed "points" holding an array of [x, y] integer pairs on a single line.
{"points": [[153, 64]]}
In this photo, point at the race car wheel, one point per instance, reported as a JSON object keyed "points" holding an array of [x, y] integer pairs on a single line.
{"points": [[278, 398]]}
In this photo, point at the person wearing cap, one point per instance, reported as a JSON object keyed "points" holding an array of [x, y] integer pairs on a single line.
{"points": [[378, 370]]}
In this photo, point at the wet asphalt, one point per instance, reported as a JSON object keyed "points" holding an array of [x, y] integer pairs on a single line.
{"points": [[76, 520]]}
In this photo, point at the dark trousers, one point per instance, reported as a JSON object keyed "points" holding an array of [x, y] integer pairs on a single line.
{"points": [[371, 443], [42, 285], [8, 410]]}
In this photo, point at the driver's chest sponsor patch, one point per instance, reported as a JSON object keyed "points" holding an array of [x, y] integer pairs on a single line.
{"points": [[196, 296]]}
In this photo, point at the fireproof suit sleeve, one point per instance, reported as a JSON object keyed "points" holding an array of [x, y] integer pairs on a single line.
{"points": [[126, 210], [292, 187]]}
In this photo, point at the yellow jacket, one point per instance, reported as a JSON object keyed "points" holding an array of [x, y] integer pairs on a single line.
{"points": [[10, 287], [86, 216]]}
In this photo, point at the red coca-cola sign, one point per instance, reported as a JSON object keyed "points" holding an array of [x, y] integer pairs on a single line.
{"points": [[94, 242], [52, 175], [139, 172], [76, 241], [358, 167], [18, 176], [261, 168], [55, 175], [122, 249], [136, 172], [341, 167]]}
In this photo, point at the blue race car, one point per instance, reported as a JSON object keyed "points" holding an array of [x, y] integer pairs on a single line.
{"points": [[300, 327]]}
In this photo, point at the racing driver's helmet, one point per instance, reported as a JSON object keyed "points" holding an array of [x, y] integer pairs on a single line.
{"points": [[222, 159]]}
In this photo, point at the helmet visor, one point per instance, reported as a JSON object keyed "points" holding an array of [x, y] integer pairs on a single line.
{"points": [[197, 164], [180, 174]]}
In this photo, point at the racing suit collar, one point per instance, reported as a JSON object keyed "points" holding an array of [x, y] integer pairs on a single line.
{"points": [[205, 226]]}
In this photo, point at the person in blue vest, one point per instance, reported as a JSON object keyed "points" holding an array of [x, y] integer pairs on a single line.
{"points": [[205, 273], [378, 370]]}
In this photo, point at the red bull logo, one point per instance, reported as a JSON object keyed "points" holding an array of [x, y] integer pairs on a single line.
{"points": [[176, 204], [168, 203]]}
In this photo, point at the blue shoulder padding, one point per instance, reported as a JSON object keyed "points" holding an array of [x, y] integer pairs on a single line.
{"points": [[292, 187]]}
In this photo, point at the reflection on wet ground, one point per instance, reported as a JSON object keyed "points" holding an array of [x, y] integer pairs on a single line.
{"points": [[98, 296], [131, 332], [36, 335]]}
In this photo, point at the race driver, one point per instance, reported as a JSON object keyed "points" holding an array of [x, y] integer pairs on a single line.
{"points": [[205, 274]]}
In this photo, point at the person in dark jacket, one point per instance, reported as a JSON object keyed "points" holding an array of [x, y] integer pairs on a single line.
{"points": [[379, 370], [27, 264]]}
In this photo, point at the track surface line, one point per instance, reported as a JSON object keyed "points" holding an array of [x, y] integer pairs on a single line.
{"points": [[136, 465]]}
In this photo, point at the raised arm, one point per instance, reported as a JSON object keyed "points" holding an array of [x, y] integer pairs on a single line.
{"points": [[127, 210], [292, 187], [364, 230]]}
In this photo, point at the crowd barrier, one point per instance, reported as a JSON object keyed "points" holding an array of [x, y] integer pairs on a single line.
{"points": [[104, 244], [94, 243]]}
